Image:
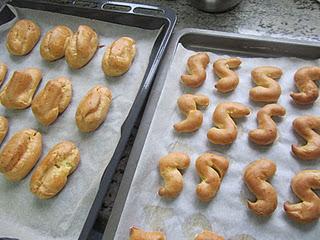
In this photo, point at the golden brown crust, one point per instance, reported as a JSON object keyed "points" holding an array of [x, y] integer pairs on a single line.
{"points": [[255, 176], [229, 80], [226, 130], [20, 154], [54, 43], [211, 168], [303, 185], [208, 235], [19, 91], [268, 90], [52, 100], [22, 37], [52, 173], [188, 104], [3, 72], [308, 91], [4, 126], [119, 56], [170, 167], [82, 46], [139, 234], [196, 68]]}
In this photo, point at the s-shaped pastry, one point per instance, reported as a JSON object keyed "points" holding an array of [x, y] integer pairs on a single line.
{"points": [[170, 167], [208, 235], [139, 234], [268, 90], [303, 185], [196, 68], [266, 133], [255, 177], [229, 80], [308, 91], [187, 104], [226, 130]]}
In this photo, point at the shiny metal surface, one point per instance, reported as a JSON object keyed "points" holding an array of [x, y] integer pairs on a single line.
{"points": [[214, 5]]}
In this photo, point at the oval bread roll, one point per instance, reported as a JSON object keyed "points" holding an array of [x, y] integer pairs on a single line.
{"points": [[93, 108], [52, 100], [119, 56], [52, 173], [20, 154], [82, 46], [3, 128], [19, 91], [22, 37], [3, 72], [54, 43]]}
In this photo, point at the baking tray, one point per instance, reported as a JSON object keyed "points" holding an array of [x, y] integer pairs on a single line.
{"points": [[201, 40], [136, 15]]}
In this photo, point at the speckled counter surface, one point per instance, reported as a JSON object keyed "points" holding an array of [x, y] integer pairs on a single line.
{"points": [[295, 19]]}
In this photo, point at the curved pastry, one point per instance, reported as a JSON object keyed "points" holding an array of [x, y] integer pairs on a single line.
{"points": [[19, 91], [196, 68], [268, 89], [170, 167], [20, 154], [229, 80], [82, 46], [118, 57], [211, 168], [306, 127], [208, 235], [303, 185], [308, 91], [22, 37], [266, 133], [3, 72], [52, 100], [255, 177], [52, 173], [93, 108], [139, 234], [4, 126], [226, 130], [54, 43], [188, 104]]}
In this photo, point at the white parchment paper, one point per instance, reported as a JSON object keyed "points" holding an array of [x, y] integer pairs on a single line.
{"points": [[227, 213], [22, 215]]}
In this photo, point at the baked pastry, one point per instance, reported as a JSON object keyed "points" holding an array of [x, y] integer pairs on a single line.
{"points": [[211, 168], [267, 131], [305, 79], [307, 127], [22, 37], [52, 100], [208, 235], [170, 167], [4, 126], [229, 80], [304, 185], [268, 90], [118, 57], [139, 234], [196, 68], [3, 72], [19, 91], [52, 173], [93, 108], [188, 104], [54, 43], [82, 46], [226, 131], [255, 177], [20, 154]]}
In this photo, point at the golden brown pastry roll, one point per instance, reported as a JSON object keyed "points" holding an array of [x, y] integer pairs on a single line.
{"points": [[52, 100], [3, 128], [54, 43], [82, 46], [20, 154], [22, 37], [93, 109], [119, 56], [52, 173], [19, 91], [3, 72], [139, 234]]}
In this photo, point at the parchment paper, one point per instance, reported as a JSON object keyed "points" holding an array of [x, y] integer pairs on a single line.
{"points": [[227, 213], [23, 215]]}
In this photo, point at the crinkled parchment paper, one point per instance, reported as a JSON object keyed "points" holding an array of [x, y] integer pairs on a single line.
{"points": [[227, 213], [23, 215]]}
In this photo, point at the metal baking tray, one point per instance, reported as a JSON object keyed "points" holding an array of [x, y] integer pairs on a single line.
{"points": [[201, 40], [150, 17]]}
